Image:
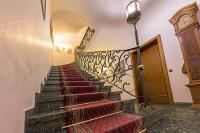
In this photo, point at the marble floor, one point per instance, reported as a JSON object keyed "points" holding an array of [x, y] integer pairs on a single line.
{"points": [[171, 119]]}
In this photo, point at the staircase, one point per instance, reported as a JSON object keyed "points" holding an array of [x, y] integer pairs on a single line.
{"points": [[72, 101]]}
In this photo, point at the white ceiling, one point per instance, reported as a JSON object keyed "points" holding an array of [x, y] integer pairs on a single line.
{"points": [[62, 23], [72, 15], [98, 11]]}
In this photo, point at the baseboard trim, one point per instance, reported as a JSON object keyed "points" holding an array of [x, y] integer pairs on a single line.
{"points": [[196, 106], [183, 104]]}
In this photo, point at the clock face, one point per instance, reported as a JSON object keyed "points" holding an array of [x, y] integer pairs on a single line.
{"points": [[184, 21]]}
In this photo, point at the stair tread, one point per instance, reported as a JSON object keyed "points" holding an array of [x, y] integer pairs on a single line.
{"points": [[117, 122], [92, 105]]}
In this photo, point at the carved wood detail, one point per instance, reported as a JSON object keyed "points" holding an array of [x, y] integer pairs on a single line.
{"points": [[185, 18], [186, 26], [184, 70]]}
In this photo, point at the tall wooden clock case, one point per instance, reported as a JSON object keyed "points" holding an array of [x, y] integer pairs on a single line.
{"points": [[187, 30]]}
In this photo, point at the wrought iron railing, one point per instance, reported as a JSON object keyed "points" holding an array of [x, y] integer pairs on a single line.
{"points": [[86, 38], [115, 67]]}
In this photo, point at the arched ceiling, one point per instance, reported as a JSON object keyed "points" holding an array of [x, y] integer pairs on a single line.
{"points": [[98, 12], [64, 20], [70, 16]]}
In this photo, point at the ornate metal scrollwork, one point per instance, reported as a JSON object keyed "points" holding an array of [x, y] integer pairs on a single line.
{"points": [[87, 37], [112, 66]]}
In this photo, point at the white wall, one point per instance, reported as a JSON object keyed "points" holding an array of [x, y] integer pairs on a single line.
{"points": [[25, 56], [112, 37], [62, 58], [155, 20], [65, 58]]}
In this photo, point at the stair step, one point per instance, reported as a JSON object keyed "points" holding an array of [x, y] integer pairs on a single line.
{"points": [[51, 122], [58, 83], [80, 89], [72, 78], [58, 75], [123, 123], [128, 106], [90, 111], [47, 88], [82, 100], [49, 98], [43, 117], [74, 99], [115, 96], [50, 105], [49, 102], [69, 83], [76, 83]]}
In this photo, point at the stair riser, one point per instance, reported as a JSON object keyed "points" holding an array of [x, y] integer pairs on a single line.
{"points": [[54, 126], [51, 103], [51, 123], [57, 91], [57, 83], [50, 94], [105, 89], [88, 113], [115, 97], [47, 88], [52, 88], [50, 106], [128, 106], [58, 76], [58, 79]]}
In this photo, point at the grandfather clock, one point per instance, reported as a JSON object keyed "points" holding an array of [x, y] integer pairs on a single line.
{"points": [[187, 30]]}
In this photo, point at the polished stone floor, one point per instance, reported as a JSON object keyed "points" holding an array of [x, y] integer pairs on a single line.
{"points": [[171, 119]]}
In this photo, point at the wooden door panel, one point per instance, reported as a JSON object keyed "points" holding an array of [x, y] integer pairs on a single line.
{"points": [[156, 79], [153, 75], [159, 99], [153, 87]]}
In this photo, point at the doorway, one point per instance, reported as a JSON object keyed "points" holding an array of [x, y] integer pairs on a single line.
{"points": [[156, 80]]}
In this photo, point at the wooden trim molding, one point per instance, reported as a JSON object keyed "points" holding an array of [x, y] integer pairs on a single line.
{"points": [[165, 70], [185, 18]]}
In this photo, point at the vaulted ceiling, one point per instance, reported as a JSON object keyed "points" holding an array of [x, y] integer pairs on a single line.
{"points": [[70, 16]]}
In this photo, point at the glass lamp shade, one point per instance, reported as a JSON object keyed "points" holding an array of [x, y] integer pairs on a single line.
{"points": [[133, 12]]}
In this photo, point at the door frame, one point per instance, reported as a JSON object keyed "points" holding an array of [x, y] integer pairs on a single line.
{"points": [[163, 63]]}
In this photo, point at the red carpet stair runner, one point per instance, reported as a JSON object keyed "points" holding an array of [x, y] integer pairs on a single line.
{"points": [[90, 111], [72, 101]]}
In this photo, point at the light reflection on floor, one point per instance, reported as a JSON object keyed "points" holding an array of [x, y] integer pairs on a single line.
{"points": [[172, 119]]}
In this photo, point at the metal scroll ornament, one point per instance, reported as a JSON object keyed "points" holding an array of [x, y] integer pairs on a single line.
{"points": [[112, 66], [87, 37]]}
